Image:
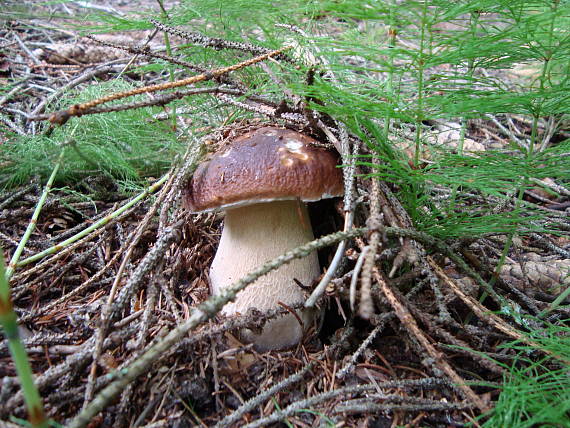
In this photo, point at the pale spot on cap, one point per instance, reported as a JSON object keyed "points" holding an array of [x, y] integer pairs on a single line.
{"points": [[293, 145]]}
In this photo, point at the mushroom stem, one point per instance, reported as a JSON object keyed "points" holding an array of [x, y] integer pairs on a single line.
{"points": [[251, 236]]}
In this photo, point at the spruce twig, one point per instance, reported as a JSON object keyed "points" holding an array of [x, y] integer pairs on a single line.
{"points": [[349, 366], [213, 42], [106, 311], [40, 267], [60, 117], [109, 311], [438, 358], [491, 318], [348, 390]]}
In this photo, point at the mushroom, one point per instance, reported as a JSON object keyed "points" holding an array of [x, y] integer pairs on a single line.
{"points": [[261, 180]]}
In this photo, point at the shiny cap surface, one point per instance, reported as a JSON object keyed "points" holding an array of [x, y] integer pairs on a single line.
{"points": [[263, 165]]}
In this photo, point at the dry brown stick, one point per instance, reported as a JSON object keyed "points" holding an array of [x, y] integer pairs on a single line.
{"points": [[410, 323], [158, 101], [491, 318], [60, 117], [70, 85]]}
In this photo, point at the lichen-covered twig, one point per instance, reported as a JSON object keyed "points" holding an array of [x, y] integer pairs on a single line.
{"points": [[348, 367], [106, 311], [72, 362], [86, 284], [393, 402], [358, 389], [211, 42], [151, 259], [147, 52], [491, 318], [58, 270], [200, 314]]}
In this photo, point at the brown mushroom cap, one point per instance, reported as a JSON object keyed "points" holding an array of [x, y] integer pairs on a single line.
{"points": [[267, 164]]}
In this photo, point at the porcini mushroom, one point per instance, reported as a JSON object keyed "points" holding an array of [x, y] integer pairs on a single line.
{"points": [[261, 180]]}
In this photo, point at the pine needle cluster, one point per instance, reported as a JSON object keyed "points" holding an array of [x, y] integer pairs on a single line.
{"points": [[125, 146]]}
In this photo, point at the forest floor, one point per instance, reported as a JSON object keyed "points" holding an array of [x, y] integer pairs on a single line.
{"points": [[434, 355]]}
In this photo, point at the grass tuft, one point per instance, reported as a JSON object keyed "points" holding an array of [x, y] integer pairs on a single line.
{"points": [[535, 393]]}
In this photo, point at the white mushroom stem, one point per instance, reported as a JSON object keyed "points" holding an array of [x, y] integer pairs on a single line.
{"points": [[251, 236]]}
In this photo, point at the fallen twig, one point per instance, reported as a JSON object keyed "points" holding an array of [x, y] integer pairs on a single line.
{"points": [[62, 116], [200, 314], [438, 358], [491, 318]]}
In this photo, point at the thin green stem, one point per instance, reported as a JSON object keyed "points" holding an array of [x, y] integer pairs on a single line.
{"points": [[164, 15], [390, 81], [543, 78], [533, 133], [32, 225], [9, 322], [506, 248], [533, 136], [473, 22], [96, 225], [561, 297], [421, 66]]}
